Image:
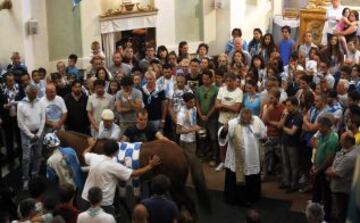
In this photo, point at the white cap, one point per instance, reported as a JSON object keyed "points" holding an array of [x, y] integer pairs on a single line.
{"points": [[107, 114]]}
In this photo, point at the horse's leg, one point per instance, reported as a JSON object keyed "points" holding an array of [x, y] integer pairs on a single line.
{"points": [[120, 201], [186, 205]]}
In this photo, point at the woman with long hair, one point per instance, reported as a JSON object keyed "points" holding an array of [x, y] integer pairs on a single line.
{"points": [[183, 50], [267, 47], [313, 52], [103, 74], [252, 97], [349, 30], [258, 67], [270, 72], [114, 87], [162, 54], [238, 61], [333, 53], [255, 43]]}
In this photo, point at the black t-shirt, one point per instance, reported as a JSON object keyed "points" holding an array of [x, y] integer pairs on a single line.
{"points": [[141, 135], [161, 210], [153, 103], [293, 120], [77, 119]]}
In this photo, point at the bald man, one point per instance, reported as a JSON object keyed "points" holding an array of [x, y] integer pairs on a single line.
{"points": [[55, 109], [140, 214]]}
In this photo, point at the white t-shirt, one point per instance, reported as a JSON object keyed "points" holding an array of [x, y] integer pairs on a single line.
{"points": [[355, 56], [54, 109], [229, 98], [104, 173], [97, 216], [332, 15], [187, 118]]}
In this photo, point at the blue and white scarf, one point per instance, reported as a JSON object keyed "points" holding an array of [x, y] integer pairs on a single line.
{"points": [[129, 154], [154, 94], [11, 94]]}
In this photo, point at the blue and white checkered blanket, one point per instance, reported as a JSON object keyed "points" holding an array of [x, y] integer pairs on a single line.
{"points": [[129, 154]]}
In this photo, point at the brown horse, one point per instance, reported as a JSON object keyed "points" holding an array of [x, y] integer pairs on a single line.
{"points": [[175, 164]]}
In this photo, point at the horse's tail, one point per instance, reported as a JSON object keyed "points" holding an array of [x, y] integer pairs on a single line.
{"points": [[198, 179]]}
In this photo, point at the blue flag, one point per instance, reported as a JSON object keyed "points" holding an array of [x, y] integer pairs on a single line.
{"points": [[354, 204], [75, 3]]}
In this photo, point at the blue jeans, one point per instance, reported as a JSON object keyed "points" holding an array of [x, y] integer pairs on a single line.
{"points": [[31, 154]]}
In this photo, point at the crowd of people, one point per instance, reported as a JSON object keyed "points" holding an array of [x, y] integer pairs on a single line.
{"points": [[261, 110]]}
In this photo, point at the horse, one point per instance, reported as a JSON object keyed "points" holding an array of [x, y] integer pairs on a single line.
{"points": [[175, 164]]}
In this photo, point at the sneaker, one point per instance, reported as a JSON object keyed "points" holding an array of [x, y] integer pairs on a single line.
{"points": [[220, 167], [303, 179], [212, 163]]}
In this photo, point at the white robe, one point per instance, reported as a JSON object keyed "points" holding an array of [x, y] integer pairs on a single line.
{"points": [[251, 135]]}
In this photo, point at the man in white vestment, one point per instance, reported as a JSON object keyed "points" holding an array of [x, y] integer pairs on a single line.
{"points": [[242, 162]]}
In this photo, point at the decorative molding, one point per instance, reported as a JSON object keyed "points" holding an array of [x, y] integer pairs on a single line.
{"points": [[312, 20], [129, 15], [129, 21]]}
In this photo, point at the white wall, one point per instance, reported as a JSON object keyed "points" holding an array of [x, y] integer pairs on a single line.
{"points": [[235, 13], [11, 38], [256, 16], [32, 48], [36, 46], [223, 28], [165, 32], [90, 27]]}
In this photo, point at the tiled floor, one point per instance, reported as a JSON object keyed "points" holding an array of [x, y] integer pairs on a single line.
{"points": [[215, 181]]}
